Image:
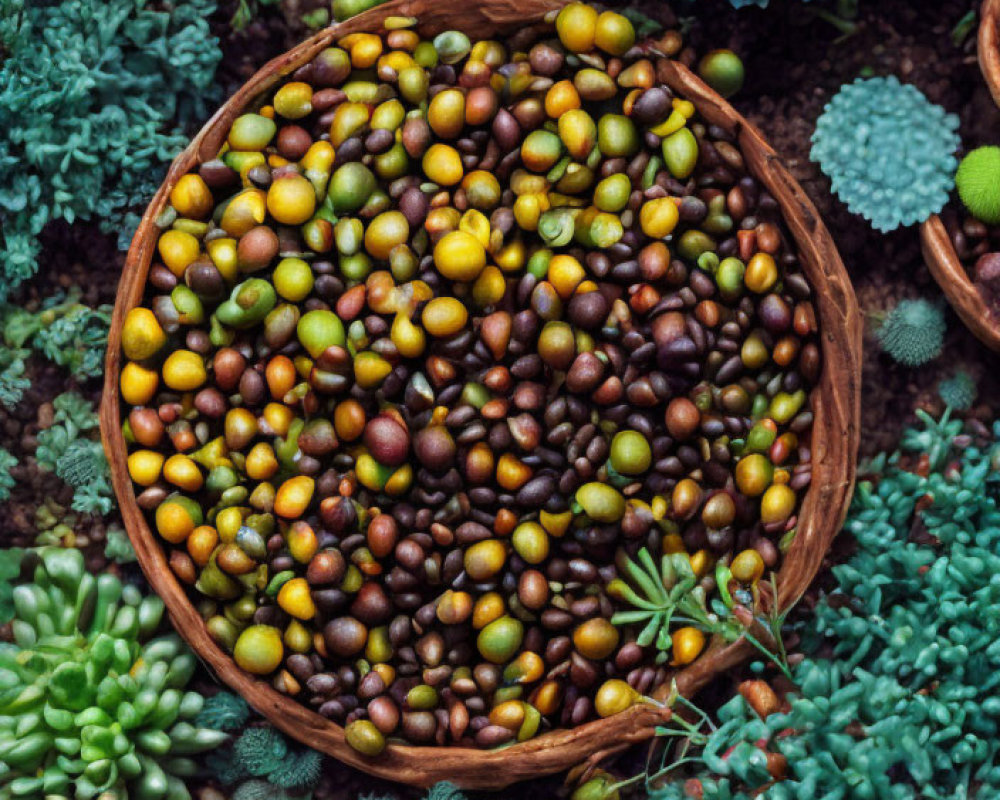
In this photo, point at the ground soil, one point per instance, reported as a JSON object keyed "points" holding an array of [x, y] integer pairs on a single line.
{"points": [[795, 62]]}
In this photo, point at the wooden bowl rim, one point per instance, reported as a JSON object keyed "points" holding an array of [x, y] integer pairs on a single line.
{"points": [[988, 46], [953, 279], [835, 434]]}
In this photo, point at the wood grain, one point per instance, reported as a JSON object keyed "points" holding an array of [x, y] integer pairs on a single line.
{"points": [[988, 46], [953, 278], [836, 405]]}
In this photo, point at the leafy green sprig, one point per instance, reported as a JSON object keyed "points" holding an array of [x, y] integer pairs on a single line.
{"points": [[669, 592]]}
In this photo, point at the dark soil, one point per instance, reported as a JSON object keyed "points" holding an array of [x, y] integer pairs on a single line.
{"points": [[795, 62]]}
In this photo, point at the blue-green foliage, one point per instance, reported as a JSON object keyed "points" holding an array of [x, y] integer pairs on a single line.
{"points": [[71, 449], [73, 417], [12, 379], [913, 332], [888, 151], [84, 466], [260, 750], [224, 711], [118, 548], [442, 790], [445, 790], [65, 331], [299, 771], [260, 755], [909, 705], [7, 462], [94, 96], [959, 391], [77, 340]]}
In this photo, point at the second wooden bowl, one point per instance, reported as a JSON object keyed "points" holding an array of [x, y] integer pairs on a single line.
{"points": [[953, 278], [834, 438]]}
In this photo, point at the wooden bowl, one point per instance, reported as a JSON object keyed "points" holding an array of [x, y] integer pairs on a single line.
{"points": [[988, 46], [953, 278], [835, 403]]}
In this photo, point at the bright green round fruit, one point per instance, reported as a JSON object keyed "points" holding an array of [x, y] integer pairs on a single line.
{"points": [[978, 183]]}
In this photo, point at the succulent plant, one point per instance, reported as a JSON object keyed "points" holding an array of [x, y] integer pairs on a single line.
{"points": [[261, 754], [12, 378], [224, 711], [261, 750], [87, 135], [10, 568], [442, 790], [445, 790], [906, 707], [959, 391], [300, 770], [913, 332], [68, 448], [64, 330], [118, 548], [978, 183], [888, 151], [7, 462], [89, 704]]}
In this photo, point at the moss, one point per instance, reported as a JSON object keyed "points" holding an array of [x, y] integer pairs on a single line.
{"points": [[978, 184], [913, 332]]}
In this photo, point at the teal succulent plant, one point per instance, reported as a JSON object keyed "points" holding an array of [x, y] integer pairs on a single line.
{"points": [[13, 381], [95, 96], [959, 391], [7, 462], [65, 331], [90, 705], [445, 790], [118, 548], [224, 712], [70, 448], [261, 755], [888, 151], [913, 332], [906, 707], [442, 790]]}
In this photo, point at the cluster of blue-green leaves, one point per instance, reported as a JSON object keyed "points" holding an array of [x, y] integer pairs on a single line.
{"points": [[70, 447], [912, 333], [260, 763], [65, 331], [94, 97], [908, 706], [89, 704], [888, 151], [442, 790]]}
